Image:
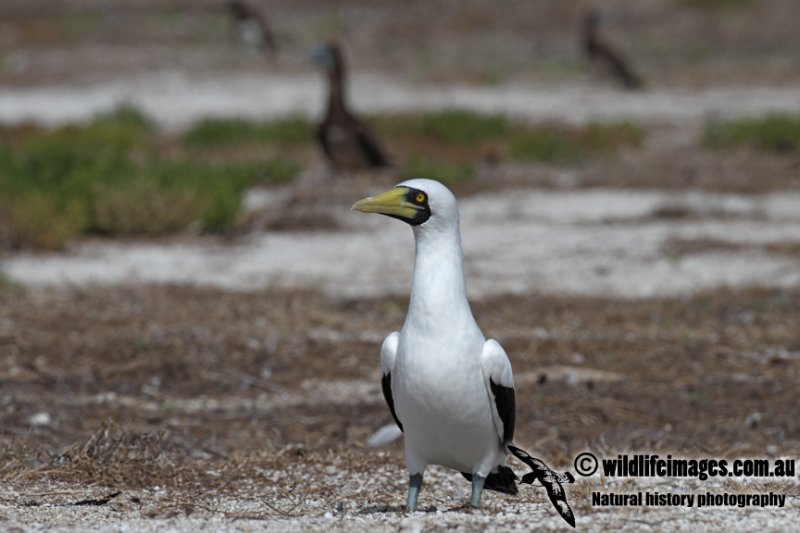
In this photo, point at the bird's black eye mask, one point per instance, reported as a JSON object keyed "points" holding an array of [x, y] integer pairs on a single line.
{"points": [[403, 203], [419, 200]]}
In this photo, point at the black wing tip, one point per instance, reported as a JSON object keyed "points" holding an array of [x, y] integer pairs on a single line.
{"points": [[386, 386], [505, 403]]}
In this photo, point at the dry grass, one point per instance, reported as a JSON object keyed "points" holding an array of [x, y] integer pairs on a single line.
{"points": [[681, 247], [686, 166], [202, 388], [115, 457], [668, 40]]}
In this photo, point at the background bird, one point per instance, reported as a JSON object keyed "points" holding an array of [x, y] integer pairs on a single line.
{"points": [[599, 52], [250, 30], [449, 389], [347, 143]]}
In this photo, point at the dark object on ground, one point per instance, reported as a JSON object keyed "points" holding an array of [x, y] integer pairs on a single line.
{"points": [[347, 142], [98, 501], [598, 51], [250, 30]]}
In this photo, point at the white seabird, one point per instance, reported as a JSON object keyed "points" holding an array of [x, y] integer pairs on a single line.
{"points": [[449, 389]]}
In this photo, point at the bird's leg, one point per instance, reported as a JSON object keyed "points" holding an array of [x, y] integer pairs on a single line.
{"points": [[477, 491], [414, 485]]}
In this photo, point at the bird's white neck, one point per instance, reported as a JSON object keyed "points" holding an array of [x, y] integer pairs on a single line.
{"points": [[438, 289]]}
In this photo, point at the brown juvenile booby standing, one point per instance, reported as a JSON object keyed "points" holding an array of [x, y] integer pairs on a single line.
{"points": [[600, 52], [346, 141], [250, 30]]}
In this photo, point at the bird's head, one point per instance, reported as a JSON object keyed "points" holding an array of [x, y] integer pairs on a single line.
{"points": [[421, 203], [327, 56], [237, 8], [591, 19]]}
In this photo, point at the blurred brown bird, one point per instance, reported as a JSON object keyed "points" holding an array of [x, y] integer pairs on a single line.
{"points": [[347, 142], [250, 29], [600, 52]]}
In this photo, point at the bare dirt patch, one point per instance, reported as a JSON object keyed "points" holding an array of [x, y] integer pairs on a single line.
{"points": [[668, 41], [680, 247], [160, 402]]}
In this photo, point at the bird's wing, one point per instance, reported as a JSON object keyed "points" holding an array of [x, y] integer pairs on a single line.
{"points": [[369, 144], [266, 32], [619, 66], [499, 381], [322, 139], [388, 355]]}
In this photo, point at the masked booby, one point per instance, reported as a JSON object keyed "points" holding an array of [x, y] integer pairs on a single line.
{"points": [[347, 143], [449, 389]]}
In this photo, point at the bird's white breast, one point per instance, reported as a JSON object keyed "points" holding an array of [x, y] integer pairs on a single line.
{"points": [[442, 400]]}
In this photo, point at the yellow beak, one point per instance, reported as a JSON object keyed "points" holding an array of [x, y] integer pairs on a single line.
{"points": [[392, 202]]}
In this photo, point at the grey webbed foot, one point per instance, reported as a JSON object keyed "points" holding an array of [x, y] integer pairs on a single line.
{"points": [[414, 486], [477, 491]]}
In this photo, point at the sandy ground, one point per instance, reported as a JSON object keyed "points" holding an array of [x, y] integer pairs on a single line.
{"points": [[232, 384], [648, 301], [176, 99], [178, 408], [594, 242], [443, 500]]}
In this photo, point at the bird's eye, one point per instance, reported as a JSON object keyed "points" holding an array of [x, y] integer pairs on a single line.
{"points": [[420, 198]]}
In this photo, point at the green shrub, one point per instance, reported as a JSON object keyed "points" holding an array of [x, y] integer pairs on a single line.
{"points": [[714, 4], [467, 135], [106, 176], [113, 175], [605, 137], [447, 172], [571, 144], [41, 220], [279, 171], [545, 145], [774, 132], [217, 189], [50, 163], [230, 131], [460, 126], [119, 130], [454, 126], [142, 207]]}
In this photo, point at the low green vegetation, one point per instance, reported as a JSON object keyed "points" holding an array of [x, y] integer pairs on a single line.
{"points": [[218, 132], [557, 143], [461, 135], [5, 281], [455, 126], [447, 172], [111, 176], [714, 4], [117, 175], [775, 132]]}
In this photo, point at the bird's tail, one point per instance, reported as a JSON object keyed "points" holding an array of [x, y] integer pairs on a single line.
{"points": [[385, 435], [549, 479]]}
